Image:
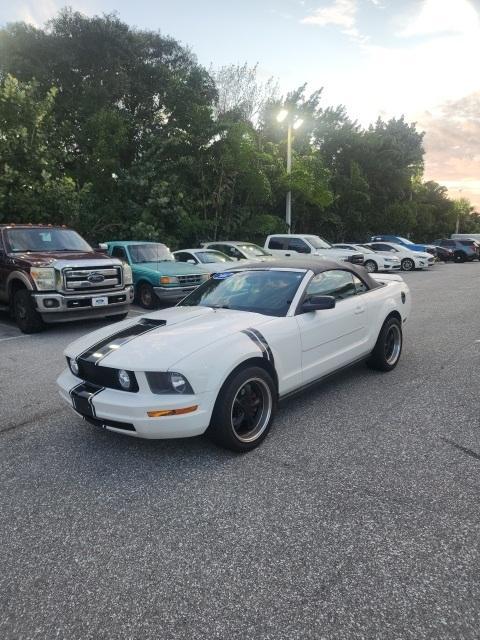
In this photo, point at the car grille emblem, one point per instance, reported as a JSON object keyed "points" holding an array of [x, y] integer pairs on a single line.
{"points": [[95, 278]]}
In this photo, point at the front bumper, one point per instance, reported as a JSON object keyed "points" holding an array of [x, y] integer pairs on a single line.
{"points": [[79, 306], [392, 267], [127, 412], [174, 294]]}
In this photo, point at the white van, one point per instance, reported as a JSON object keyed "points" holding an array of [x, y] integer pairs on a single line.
{"points": [[465, 236]]}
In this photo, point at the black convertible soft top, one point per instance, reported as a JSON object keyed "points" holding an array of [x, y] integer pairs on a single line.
{"points": [[311, 264]]}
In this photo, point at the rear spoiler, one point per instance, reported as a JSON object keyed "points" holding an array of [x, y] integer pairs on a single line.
{"points": [[383, 278]]}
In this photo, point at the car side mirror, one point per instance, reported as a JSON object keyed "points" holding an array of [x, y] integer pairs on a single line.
{"points": [[318, 303], [191, 261], [103, 246]]}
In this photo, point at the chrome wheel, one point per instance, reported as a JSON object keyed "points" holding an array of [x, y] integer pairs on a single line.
{"points": [[251, 409], [408, 265], [393, 344]]}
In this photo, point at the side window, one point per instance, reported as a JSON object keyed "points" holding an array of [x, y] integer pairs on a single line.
{"points": [[360, 286], [276, 243], [448, 243], [336, 283], [297, 244], [183, 256], [120, 253], [382, 247], [233, 253]]}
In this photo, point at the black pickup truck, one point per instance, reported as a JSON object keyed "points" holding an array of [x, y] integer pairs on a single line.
{"points": [[51, 274]]}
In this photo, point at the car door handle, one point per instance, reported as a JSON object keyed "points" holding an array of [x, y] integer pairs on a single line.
{"points": [[360, 308]]}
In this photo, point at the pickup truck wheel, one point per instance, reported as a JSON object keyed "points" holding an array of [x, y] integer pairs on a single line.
{"points": [[26, 316], [244, 410], [146, 295], [371, 266], [408, 264], [388, 348]]}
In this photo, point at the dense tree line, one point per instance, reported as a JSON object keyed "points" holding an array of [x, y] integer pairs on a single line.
{"points": [[121, 133]]}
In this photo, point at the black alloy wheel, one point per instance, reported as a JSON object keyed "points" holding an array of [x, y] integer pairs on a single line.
{"points": [[244, 410]]}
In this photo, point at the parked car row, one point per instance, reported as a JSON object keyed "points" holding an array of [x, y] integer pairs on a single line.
{"points": [[50, 274]]}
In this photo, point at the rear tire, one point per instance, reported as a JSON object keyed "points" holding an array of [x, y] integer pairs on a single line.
{"points": [[26, 316], [459, 256], [388, 348], [408, 264], [371, 266], [146, 295], [244, 410]]}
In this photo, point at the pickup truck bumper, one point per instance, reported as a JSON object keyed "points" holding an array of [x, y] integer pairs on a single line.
{"points": [[57, 307]]}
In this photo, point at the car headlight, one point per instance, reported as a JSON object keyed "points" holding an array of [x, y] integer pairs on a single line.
{"points": [[73, 364], [168, 280], [124, 379], [168, 382], [44, 278], [127, 274]]}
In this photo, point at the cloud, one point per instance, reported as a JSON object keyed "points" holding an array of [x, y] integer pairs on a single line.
{"points": [[452, 143], [342, 14], [442, 16]]}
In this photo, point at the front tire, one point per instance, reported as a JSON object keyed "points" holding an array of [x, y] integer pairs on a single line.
{"points": [[459, 256], [408, 264], [146, 295], [388, 348], [371, 266], [244, 410], [26, 316]]}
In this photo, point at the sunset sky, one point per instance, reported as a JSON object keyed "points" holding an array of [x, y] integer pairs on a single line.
{"points": [[378, 57]]}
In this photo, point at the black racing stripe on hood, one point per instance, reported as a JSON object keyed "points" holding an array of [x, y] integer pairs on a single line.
{"points": [[103, 348]]}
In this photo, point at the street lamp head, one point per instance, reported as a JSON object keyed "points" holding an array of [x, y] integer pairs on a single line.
{"points": [[282, 114], [298, 123]]}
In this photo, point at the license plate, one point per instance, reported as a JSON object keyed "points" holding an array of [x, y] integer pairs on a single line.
{"points": [[99, 302]]}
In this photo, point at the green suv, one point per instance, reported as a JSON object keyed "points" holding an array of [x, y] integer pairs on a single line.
{"points": [[156, 273]]}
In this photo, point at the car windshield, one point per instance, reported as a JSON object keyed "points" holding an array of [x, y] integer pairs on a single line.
{"points": [[269, 292], [319, 243], [208, 257], [404, 240], [154, 252], [23, 240], [253, 249]]}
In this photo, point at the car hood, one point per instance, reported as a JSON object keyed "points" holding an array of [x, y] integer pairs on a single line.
{"points": [[50, 258], [185, 330], [168, 267]]}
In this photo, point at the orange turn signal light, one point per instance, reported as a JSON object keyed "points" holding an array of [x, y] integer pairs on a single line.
{"points": [[171, 412], [164, 280]]}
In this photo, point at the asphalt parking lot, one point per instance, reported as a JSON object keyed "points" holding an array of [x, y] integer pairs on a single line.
{"points": [[357, 518]]}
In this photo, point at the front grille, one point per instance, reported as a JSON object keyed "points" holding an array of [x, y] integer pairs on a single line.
{"points": [[92, 278], [191, 280], [101, 422], [103, 376]]}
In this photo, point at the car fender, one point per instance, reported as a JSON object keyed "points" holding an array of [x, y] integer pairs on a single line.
{"points": [[208, 368], [16, 276]]}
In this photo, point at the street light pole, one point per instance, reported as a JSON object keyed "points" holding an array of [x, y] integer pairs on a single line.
{"points": [[292, 123], [288, 208]]}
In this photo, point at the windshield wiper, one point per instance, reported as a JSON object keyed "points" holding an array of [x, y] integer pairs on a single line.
{"points": [[219, 306]]}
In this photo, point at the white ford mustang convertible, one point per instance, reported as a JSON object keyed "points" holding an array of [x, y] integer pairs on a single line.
{"points": [[220, 360]]}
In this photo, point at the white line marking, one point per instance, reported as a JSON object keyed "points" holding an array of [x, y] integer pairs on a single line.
{"points": [[13, 338]]}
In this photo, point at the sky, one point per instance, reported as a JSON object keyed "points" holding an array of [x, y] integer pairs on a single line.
{"points": [[418, 58]]}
